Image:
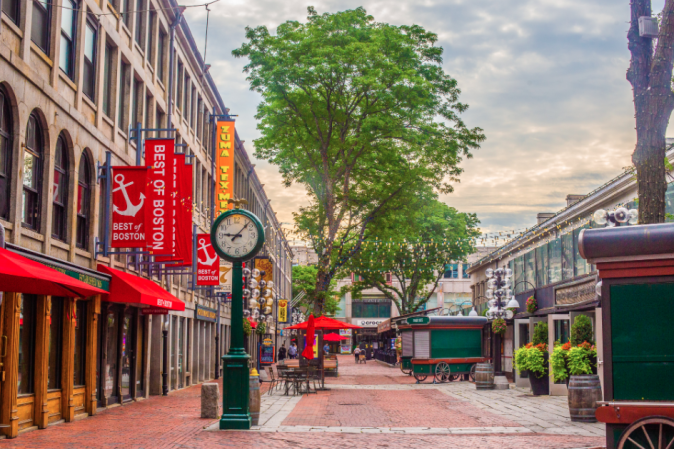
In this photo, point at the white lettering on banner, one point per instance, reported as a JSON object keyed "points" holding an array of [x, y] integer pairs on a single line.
{"points": [[164, 303]]}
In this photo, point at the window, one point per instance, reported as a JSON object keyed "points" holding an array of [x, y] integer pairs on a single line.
{"points": [[136, 108], [32, 174], [518, 275], [193, 107], [186, 100], [160, 55], [567, 256], [371, 308], [83, 200], [452, 271], [40, 24], [11, 9], [179, 87], [90, 39], [5, 154], [107, 80], [123, 92], [555, 261], [464, 271], [60, 190], [68, 21], [127, 12], [529, 271], [80, 342], [581, 265], [27, 344], [541, 265], [55, 344], [103, 192], [199, 130], [148, 116], [150, 38], [140, 23]]}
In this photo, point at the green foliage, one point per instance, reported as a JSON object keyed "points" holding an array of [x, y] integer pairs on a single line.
{"points": [[413, 246], [304, 278], [531, 358], [261, 329], [247, 328], [498, 326], [581, 359], [484, 312], [540, 333], [581, 330], [360, 113], [558, 361]]}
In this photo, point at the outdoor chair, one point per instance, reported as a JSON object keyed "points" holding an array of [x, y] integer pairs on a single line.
{"points": [[273, 381]]}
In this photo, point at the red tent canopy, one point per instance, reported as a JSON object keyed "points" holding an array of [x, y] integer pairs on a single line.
{"points": [[22, 275], [325, 323], [333, 337]]}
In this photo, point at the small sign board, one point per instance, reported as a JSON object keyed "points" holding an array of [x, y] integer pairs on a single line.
{"points": [[418, 320], [205, 314], [266, 354], [153, 311]]}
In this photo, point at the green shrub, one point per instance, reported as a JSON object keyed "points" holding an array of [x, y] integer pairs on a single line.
{"points": [[581, 331], [540, 333], [261, 329], [558, 360], [247, 328], [531, 358], [581, 358]]}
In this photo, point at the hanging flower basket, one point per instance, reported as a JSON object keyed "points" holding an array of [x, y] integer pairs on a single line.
{"points": [[499, 326], [532, 305]]}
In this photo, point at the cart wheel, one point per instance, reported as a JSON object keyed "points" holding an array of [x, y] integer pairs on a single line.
{"points": [[407, 371], [656, 432], [442, 372], [471, 375], [420, 377]]}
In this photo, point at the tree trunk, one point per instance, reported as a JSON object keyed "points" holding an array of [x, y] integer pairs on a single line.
{"points": [[323, 279], [650, 76]]}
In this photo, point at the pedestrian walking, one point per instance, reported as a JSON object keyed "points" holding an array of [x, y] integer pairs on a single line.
{"points": [[326, 348], [356, 353], [282, 352], [292, 351]]}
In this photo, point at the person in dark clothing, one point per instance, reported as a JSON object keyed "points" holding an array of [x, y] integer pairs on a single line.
{"points": [[282, 352]]}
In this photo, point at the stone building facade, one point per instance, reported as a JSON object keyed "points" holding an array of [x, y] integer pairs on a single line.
{"points": [[75, 77]]}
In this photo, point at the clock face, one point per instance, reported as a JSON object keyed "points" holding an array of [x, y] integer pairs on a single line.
{"points": [[237, 236]]}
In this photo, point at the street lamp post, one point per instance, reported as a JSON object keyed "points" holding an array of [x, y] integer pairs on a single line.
{"points": [[499, 287]]}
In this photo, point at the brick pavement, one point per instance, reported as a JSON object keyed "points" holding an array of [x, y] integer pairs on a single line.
{"points": [[173, 421]]}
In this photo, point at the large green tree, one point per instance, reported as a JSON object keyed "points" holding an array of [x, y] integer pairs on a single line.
{"points": [[359, 112], [304, 280], [413, 247]]}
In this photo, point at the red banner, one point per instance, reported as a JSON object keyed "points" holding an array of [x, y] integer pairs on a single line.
{"points": [[159, 213], [129, 200], [208, 262], [173, 222]]}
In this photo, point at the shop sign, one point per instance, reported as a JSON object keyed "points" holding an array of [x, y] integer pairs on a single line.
{"points": [[418, 320], [226, 276], [267, 342], [383, 327], [103, 284], [224, 165], [184, 206], [345, 349], [345, 332], [205, 313], [282, 310], [266, 265], [208, 262], [159, 213], [576, 293], [369, 322], [153, 311], [128, 212]]}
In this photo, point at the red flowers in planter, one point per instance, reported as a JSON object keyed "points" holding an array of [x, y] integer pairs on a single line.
{"points": [[532, 305]]}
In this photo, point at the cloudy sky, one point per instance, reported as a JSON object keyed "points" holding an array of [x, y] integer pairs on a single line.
{"points": [[545, 79]]}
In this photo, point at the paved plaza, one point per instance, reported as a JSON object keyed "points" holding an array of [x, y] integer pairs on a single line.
{"points": [[367, 405]]}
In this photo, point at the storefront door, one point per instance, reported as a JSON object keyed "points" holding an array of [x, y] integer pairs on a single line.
{"points": [[521, 339], [128, 348], [558, 330], [109, 343]]}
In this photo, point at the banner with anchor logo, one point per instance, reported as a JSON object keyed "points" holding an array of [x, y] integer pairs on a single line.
{"points": [[208, 263], [128, 200], [159, 154]]}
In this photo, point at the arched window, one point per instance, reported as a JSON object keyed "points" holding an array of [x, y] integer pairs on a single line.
{"points": [[5, 154], [83, 200], [60, 190], [32, 174]]}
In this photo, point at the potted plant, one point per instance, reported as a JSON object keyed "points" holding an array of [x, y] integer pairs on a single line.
{"points": [[584, 388], [498, 326], [559, 360], [533, 358], [532, 305]]}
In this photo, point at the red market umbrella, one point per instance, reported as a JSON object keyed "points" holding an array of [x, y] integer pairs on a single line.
{"points": [[308, 352], [20, 274], [333, 337], [325, 323]]}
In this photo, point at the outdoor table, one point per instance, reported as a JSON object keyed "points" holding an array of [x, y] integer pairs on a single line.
{"points": [[298, 376]]}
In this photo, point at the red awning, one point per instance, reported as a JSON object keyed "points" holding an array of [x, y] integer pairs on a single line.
{"points": [[130, 289], [333, 337], [325, 323], [22, 275]]}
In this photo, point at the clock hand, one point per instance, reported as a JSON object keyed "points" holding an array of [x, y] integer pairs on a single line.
{"points": [[238, 234]]}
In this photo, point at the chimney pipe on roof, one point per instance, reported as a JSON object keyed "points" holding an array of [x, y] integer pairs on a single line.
{"points": [[573, 199], [544, 216]]}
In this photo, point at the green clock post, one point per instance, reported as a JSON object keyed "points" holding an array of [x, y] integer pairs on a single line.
{"points": [[236, 235]]}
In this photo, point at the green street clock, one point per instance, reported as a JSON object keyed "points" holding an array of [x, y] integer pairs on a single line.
{"points": [[237, 235]]}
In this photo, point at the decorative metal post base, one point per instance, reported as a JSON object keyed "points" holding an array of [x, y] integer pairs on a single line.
{"points": [[501, 382], [235, 391]]}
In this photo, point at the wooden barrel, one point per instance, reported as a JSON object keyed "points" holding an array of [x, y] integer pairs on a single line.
{"points": [[254, 400], [484, 376], [583, 393]]}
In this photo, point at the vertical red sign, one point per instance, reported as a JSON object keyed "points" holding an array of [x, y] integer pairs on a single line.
{"points": [[208, 262], [184, 240], [128, 207], [159, 213]]}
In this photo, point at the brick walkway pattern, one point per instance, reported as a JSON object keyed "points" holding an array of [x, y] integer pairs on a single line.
{"points": [[173, 421]]}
